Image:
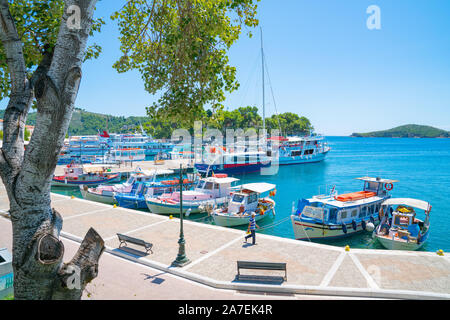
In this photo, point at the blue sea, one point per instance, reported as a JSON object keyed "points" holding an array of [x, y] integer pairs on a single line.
{"points": [[422, 167]]}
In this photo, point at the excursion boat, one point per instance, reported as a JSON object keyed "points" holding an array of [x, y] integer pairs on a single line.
{"points": [[105, 193], [245, 201], [135, 198], [298, 150], [210, 191], [74, 176], [400, 229], [232, 163], [332, 216]]}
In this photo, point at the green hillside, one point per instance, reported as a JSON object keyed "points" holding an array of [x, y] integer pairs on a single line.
{"points": [[88, 123], [407, 131]]}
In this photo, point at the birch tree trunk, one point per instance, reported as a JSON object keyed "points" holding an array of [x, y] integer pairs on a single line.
{"points": [[39, 272]]}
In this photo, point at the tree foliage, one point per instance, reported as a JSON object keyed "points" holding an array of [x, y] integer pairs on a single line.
{"points": [[37, 23], [180, 49]]}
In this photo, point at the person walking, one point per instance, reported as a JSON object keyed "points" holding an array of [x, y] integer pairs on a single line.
{"points": [[252, 228]]}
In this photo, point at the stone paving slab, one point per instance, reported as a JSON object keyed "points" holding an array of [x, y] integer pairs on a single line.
{"points": [[199, 240], [348, 275], [108, 222], [312, 268], [416, 273], [306, 265]]}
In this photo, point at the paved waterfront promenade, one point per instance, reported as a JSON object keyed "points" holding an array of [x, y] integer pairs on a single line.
{"points": [[312, 269]]}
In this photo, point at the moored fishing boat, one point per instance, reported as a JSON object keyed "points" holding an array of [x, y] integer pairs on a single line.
{"points": [[210, 191], [105, 193], [74, 176], [243, 202], [400, 229], [135, 198], [332, 216]]}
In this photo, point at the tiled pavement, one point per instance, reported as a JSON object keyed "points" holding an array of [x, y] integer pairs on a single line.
{"points": [[311, 268]]}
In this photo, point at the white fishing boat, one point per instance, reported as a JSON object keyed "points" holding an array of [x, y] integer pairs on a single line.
{"points": [[332, 216], [243, 202], [210, 191], [105, 193], [400, 229]]}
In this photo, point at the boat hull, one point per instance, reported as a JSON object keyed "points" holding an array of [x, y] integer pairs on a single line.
{"points": [[398, 245], [108, 199], [156, 206], [301, 159], [231, 169], [77, 183], [232, 221], [308, 230], [131, 202]]}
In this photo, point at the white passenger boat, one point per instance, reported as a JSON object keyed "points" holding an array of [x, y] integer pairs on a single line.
{"points": [[210, 191], [400, 229], [243, 202], [332, 216]]}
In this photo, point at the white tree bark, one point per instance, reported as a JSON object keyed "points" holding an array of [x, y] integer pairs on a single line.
{"points": [[37, 251]]}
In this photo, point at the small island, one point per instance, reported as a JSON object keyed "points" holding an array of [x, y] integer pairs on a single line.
{"points": [[407, 131]]}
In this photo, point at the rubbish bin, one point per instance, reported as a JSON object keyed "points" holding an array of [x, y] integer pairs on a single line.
{"points": [[6, 274]]}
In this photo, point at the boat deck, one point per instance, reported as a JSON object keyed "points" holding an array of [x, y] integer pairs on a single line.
{"points": [[313, 269]]}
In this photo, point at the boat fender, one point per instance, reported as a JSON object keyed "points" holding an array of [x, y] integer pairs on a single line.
{"points": [[372, 220], [344, 228], [354, 225], [363, 224]]}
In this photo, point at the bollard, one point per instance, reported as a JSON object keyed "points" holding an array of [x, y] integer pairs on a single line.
{"points": [[347, 248]]}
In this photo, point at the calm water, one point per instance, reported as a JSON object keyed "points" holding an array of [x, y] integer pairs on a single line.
{"points": [[422, 167]]}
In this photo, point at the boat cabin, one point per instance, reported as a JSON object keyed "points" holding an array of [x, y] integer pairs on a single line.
{"points": [[247, 197], [216, 186]]}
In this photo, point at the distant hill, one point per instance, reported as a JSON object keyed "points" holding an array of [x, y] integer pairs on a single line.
{"points": [[407, 131], [88, 123]]}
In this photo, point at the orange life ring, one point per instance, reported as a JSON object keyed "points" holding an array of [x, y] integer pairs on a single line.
{"points": [[389, 186]]}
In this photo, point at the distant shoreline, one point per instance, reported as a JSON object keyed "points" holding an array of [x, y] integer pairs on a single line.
{"points": [[406, 131]]}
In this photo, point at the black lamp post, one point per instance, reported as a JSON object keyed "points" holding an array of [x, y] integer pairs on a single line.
{"points": [[181, 259]]}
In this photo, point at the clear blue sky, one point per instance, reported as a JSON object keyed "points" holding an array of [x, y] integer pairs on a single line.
{"points": [[323, 61]]}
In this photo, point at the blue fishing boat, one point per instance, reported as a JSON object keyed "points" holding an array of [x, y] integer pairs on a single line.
{"points": [[332, 216], [135, 198]]}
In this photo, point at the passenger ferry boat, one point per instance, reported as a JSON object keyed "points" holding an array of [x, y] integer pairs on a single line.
{"points": [[298, 150], [74, 176], [400, 229], [332, 216], [210, 191], [105, 193], [125, 155], [243, 202], [233, 163]]}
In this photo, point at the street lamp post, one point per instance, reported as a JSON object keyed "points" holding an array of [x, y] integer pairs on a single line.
{"points": [[181, 259]]}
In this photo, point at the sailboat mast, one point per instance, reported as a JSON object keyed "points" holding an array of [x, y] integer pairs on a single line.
{"points": [[263, 86]]}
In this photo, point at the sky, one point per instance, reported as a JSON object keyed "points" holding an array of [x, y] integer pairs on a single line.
{"points": [[323, 62]]}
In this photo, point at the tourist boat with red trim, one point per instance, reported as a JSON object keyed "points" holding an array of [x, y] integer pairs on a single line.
{"points": [[75, 175]]}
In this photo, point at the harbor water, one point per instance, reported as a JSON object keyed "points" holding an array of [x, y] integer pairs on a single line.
{"points": [[422, 167]]}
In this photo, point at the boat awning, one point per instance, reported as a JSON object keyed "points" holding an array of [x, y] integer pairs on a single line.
{"points": [[371, 179], [221, 180], [258, 187], [156, 172], [420, 204]]}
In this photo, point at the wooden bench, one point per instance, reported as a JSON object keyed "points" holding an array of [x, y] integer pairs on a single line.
{"points": [[262, 266], [124, 239]]}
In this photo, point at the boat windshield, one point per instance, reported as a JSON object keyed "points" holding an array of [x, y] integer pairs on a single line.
{"points": [[200, 184], [238, 198]]}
